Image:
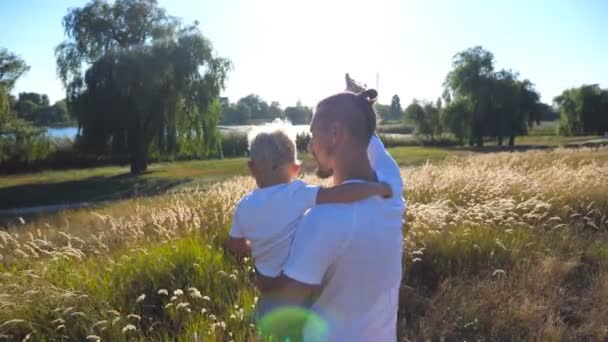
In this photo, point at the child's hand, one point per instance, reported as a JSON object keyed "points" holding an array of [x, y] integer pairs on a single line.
{"points": [[385, 190]]}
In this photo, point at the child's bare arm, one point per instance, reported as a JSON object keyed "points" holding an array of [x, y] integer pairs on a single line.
{"points": [[352, 192]]}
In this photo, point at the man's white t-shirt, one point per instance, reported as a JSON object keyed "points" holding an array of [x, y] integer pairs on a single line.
{"points": [[268, 218], [354, 252]]}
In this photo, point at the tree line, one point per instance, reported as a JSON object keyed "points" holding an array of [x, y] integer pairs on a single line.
{"points": [[252, 109], [479, 102]]}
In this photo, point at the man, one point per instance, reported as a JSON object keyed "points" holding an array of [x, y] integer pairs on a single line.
{"points": [[346, 258]]}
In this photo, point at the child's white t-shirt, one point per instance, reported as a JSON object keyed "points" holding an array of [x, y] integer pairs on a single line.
{"points": [[268, 218]]}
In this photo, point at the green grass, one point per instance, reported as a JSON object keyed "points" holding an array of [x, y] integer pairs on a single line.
{"points": [[111, 183], [545, 128], [114, 183]]}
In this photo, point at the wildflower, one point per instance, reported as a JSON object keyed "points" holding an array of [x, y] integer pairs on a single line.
{"points": [[93, 338], [128, 328], [114, 312], [134, 316], [178, 292], [141, 298], [182, 305], [102, 322], [194, 293], [163, 292], [206, 298], [78, 314]]}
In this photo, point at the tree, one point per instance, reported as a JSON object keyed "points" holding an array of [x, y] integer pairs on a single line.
{"points": [[583, 110], [497, 103], [146, 74], [298, 115], [5, 107], [395, 111], [11, 68], [469, 81], [454, 117], [426, 117], [275, 110]]}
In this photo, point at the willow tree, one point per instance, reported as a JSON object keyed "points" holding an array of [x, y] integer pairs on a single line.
{"points": [[149, 81], [12, 67]]}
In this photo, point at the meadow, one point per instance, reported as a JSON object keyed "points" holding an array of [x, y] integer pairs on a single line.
{"points": [[497, 246]]}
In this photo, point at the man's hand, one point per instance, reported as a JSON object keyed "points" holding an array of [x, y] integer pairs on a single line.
{"points": [[239, 246], [385, 190]]}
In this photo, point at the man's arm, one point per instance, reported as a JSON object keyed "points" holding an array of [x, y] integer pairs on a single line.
{"points": [[352, 192]]}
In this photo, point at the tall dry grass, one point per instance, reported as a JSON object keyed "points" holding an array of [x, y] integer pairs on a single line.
{"points": [[507, 246]]}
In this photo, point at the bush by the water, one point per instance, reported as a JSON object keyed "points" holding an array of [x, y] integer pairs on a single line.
{"points": [[507, 246]]}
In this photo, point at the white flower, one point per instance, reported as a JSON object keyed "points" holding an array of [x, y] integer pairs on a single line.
{"points": [[182, 305], [178, 292], [163, 292], [140, 298], [129, 327], [206, 298], [194, 293]]}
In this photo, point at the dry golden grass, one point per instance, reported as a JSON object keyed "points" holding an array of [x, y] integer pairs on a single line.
{"points": [[507, 246]]}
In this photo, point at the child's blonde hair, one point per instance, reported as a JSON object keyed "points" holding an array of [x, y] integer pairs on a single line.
{"points": [[272, 145]]}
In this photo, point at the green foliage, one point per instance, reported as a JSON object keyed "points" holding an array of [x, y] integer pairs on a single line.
{"points": [[396, 111], [22, 143], [583, 110], [497, 104], [298, 115], [148, 76], [11, 68], [426, 117], [5, 108], [35, 108], [250, 109]]}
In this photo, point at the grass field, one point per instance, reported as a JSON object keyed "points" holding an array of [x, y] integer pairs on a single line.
{"points": [[501, 246], [114, 183]]}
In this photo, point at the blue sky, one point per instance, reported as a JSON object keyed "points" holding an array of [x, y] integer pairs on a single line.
{"points": [[288, 51]]}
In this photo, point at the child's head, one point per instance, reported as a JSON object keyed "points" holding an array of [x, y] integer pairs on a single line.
{"points": [[273, 154]]}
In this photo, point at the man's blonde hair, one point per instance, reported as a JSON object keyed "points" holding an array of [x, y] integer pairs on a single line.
{"points": [[272, 145]]}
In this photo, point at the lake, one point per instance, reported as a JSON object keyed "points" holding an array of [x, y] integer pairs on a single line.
{"points": [[70, 132]]}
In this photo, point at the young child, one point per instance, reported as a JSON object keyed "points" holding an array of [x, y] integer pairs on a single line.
{"points": [[265, 220]]}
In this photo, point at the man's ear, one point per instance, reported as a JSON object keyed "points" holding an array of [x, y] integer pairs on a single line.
{"points": [[338, 132]]}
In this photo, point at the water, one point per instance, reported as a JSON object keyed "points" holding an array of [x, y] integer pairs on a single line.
{"points": [[70, 132], [63, 132]]}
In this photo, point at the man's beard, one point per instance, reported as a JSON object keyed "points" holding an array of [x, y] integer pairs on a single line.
{"points": [[324, 173]]}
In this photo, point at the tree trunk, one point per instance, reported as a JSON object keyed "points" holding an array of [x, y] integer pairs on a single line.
{"points": [[138, 151], [479, 141], [512, 141], [500, 140]]}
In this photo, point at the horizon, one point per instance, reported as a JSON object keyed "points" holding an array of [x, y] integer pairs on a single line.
{"points": [[290, 52]]}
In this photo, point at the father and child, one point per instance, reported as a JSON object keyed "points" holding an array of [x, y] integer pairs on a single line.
{"points": [[266, 219]]}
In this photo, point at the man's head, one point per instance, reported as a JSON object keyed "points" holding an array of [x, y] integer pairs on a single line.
{"points": [[272, 154], [342, 122]]}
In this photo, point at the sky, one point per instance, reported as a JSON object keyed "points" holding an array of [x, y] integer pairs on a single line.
{"points": [[300, 50]]}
